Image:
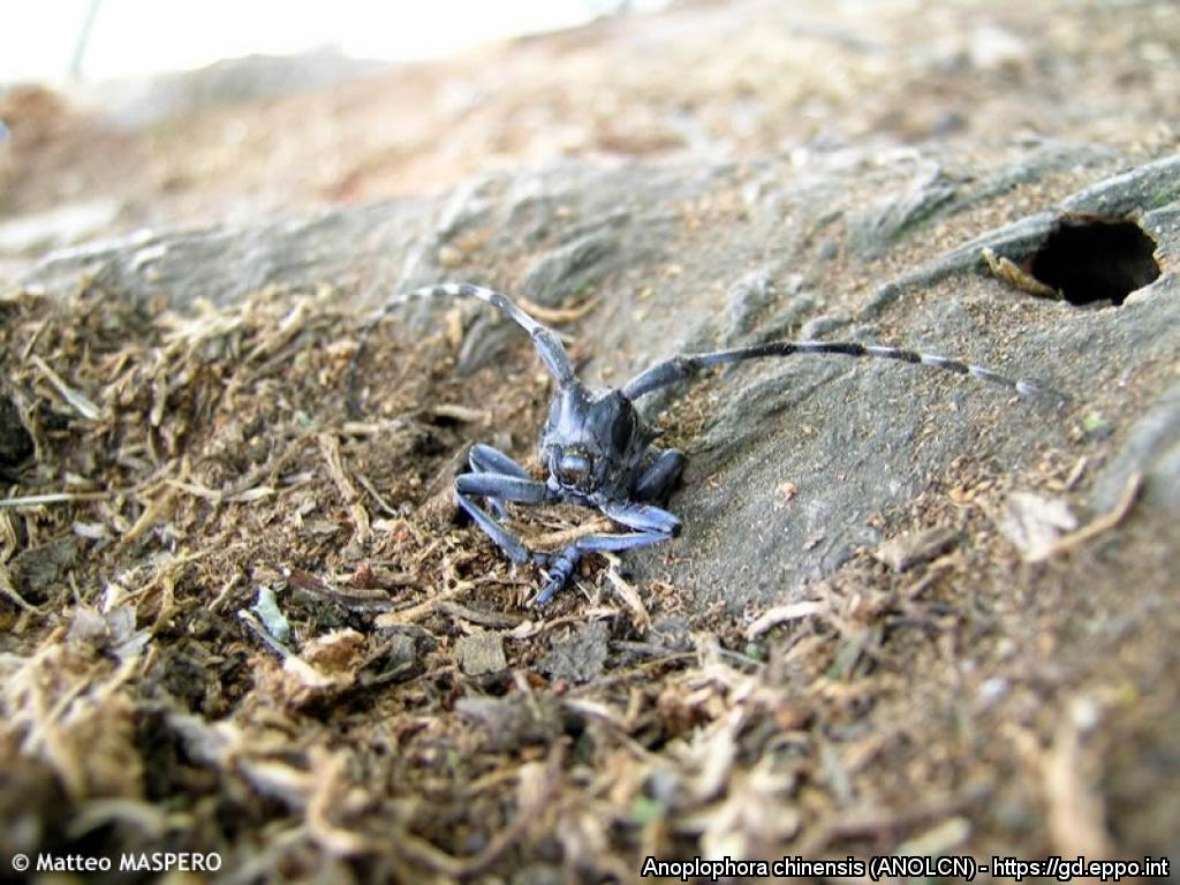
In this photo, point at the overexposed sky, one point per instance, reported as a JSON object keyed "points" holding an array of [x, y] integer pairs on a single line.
{"points": [[135, 37]]}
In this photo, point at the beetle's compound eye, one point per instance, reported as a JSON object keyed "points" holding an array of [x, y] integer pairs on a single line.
{"points": [[573, 468]]}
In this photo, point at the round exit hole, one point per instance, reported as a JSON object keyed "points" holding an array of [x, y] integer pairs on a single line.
{"points": [[1093, 259]]}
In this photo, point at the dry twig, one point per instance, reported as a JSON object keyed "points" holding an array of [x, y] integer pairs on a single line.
{"points": [[330, 447], [1103, 523]]}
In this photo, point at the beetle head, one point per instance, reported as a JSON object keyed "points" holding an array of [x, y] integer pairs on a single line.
{"points": [[590, 441]]}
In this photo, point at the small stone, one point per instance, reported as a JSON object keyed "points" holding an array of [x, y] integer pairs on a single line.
{"points": [[480, 653], [580, 657], [914, 548]]}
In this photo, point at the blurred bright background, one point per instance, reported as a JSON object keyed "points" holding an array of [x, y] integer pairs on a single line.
{"points": [[135, 114], [57, 40]]}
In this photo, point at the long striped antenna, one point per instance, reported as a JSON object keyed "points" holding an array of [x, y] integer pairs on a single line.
{"points": [[681, 368]]}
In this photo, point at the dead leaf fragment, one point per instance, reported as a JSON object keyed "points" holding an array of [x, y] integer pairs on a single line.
{"points": [[1034, 523], [338, 652]]}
